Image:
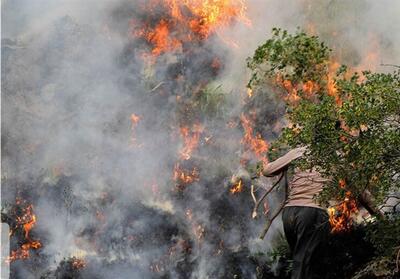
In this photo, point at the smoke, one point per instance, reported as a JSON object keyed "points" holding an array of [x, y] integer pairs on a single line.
{"points": [[102, 187]]}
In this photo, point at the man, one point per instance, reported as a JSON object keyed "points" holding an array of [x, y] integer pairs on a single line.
{"points": [[305, 223]]}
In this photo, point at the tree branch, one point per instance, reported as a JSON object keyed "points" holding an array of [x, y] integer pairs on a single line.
{"points": [[269, 222], [257, 203]]}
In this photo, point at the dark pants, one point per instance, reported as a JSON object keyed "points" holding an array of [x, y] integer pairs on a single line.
{"points": [[307, 230]]}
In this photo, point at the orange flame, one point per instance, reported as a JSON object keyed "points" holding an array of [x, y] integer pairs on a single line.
{"points": [[249, 92], [159, 38], [187, 20], [212, 15], [340, 216], [134, 122], [292, 96], [331, 84], [185, 177], [26, 222], [237, 188], [255, 143], [310, 88], [191, 139]]}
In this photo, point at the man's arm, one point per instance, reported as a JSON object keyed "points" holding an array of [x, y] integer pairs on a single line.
{"points": [[277, 166]]}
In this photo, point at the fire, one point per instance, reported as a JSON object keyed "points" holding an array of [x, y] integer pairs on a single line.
{"points": [[310, 87], [160, 38], [212, 15], [134, 122], [191, 139], [291, 89], [331, 84], [134, 119], [26, 221], [340, 216], [255, 143], [188, 20], [249, 92], [185, 177], [237, 188]]}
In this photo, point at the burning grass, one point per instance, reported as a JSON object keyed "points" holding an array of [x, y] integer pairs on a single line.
{"points": [[186, 21], [24, 222]]}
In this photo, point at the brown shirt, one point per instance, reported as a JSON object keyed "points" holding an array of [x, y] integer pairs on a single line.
{"points": [[304, 186]]}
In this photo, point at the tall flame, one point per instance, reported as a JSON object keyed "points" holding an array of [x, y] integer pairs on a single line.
{"points": [[26, 221], [134, 122], [254, 142], [188, 20], [340, 216], [190, 137], [331, 84]]}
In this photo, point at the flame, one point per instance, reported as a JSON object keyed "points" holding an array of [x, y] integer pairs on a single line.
{"points": [[292, 96], [340, 216], [160, 38], [134, 122], [188, 20], [191, 139], [184, 177], [134, 119], [310, 88], [249, 92], [213, 14], [331, 83], [197, 228], [255, 143], [237, 188], [292, 91], [26, 221]]}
